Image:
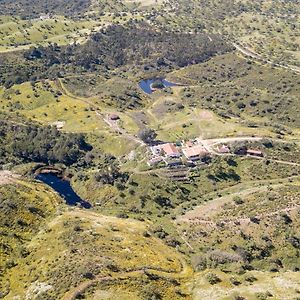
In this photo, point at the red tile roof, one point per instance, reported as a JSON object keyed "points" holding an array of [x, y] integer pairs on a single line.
{"points": [[170, 149], [197, 150], [189, 144]]}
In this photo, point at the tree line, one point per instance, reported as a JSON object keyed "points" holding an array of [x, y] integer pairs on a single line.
{"points": [[134, 45], [33, 143], [27, 9]]}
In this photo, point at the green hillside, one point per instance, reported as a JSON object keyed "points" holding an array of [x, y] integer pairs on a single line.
{"points": [[167, 138]]}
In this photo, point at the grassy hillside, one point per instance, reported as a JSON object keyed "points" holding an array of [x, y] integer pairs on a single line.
{"points": [[256, 228], [253, 285], [44, 102], [19, 34], [33, 8], [25, 207], [235, 87], [226, 228], [90, 248], [269, 28]]}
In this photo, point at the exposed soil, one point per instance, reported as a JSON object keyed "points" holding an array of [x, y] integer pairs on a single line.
{"points": [[7, 177]]}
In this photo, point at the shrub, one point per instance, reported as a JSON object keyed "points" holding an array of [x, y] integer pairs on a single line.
{"points": [[147, 135], [294, 241], [122, 216], [263, 296], [238, 200], [212, 278], [286, 219], [222, 257], [199, 263], [234, 281], [254, 219], [250, 278]]}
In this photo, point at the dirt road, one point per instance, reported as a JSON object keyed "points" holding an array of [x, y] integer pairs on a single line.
{"points": [[115, 126], [209, 144], [204, 214], [7, 177], [248, 52], [184, 272]]}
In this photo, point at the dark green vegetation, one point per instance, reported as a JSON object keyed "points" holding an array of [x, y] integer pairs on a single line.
{"points": [[227, 226], [116, 46], [257, 231], [32, 143], [25, 207], [34, 8], [234, 87]]}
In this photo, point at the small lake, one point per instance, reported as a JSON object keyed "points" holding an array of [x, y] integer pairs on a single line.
{"points": [[145, 85], [64, 188]]}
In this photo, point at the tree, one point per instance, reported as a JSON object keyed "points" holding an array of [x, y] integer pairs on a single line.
{"points": [[157, 84], [147, 135]]}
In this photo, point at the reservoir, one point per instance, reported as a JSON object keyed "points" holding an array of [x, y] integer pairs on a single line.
{"points": [[146, 84], [63, 188]]}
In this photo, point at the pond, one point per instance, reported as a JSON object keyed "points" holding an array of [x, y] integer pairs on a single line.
{"points": [[64, 188], [146, 85]]}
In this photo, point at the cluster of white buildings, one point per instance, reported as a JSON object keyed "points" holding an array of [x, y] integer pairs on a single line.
{"points": [[192, 152], [171, 154]]}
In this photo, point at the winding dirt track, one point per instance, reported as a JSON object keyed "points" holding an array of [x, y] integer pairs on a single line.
{"points": [[250, 53], [184, 272], [203, 213], [72, 295], [112, 124], [85, 285], [136, 273]]}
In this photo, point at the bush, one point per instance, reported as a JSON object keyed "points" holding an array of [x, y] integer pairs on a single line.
{"points": [[250, 278], [263, 296], [122, 216], [147, 135], [212, 278], [222, 257], [254, 219], [199, 263], [158, 84], [286, 218], [234, 281], [238, 200], [10, 264], [294, 241]]}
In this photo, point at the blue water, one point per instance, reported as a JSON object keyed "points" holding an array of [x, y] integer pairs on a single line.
{"points": [[145, 85], [63, 187]]}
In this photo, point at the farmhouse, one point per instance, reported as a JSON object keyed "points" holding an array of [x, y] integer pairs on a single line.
{"points": [[195, 153], [223, 149], [257, 153], [170, 150]]}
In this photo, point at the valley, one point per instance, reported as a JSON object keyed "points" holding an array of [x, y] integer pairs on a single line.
{"points": [[149, 150]]}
